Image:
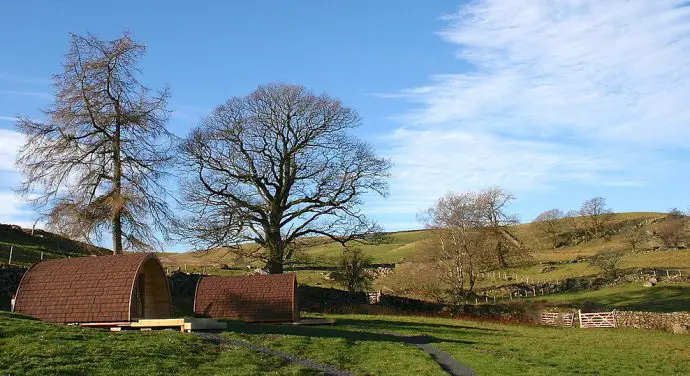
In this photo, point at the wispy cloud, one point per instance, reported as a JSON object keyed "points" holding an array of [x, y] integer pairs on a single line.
{"points": [[608, 69], [25, 93], [21, 79], [13, 208], [10, 141], [430, 162], [8, 118], [584, 91]]}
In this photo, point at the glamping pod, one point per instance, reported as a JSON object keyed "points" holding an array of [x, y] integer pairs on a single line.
{"points": [[254, 298], [115, 288]]}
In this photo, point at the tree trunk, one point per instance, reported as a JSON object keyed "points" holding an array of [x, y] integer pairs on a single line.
{"points": [[274, 266], [275, 248], [117, 191], [117, 234]]}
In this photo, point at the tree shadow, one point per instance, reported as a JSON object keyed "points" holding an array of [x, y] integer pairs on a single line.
{"points": [[407, 325], [358, 334]]}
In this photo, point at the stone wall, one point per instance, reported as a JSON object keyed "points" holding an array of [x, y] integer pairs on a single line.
{"points": [[10, 276], [677, 322]]}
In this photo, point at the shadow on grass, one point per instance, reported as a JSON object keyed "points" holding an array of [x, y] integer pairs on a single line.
{"points": [[405, 325], [334, 332]]}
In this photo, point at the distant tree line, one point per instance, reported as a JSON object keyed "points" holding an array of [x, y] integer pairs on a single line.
{"points": [[595, 220]]}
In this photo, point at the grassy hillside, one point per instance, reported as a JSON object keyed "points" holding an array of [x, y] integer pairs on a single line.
{"points": [[364, 345], [404, 246], [404, 249], [28, 247], [664, 297]]}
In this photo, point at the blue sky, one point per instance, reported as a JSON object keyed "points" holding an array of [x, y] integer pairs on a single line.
{"points": [[557, 101]]}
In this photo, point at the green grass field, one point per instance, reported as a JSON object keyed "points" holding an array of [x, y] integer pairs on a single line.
{"points": [[664, 297], [361, 344]]}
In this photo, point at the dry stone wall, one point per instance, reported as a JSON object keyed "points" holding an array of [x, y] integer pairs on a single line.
{"points": [[677, 322]]}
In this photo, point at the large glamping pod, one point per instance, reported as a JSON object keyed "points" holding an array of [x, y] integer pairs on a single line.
{"points": [[116, 288], [254, 298]]}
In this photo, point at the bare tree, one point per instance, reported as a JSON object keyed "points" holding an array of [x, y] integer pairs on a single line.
{"points": [[597, 213], [276, 166], [550, 224], [97, 163], [635, 237], [459, 245], [492, 205], [607, 262], [672, 229]]}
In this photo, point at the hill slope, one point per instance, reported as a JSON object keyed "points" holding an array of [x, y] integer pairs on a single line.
{"points": [[27, 248], [405, 246]]}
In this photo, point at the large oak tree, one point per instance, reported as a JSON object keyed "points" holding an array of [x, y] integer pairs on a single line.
{"points": [[96, 163], [277, 165]]}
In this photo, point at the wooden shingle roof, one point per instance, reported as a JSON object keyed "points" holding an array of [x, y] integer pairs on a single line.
{"points": [[256, 298], [83, 289]]}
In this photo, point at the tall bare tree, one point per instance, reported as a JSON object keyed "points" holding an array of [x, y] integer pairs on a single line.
{"points": [[470, 233], [276, 166], [456, 245], [97, 163], [597, 213]]}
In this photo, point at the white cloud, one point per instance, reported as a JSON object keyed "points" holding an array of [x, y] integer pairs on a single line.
{"points": [[8, 118], [429, 163], [607, 69], [26, 93], [24, 79], [548, 93], [10, 141], [13, 209]]}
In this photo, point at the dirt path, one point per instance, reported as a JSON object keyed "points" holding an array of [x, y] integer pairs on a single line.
{"points": [[445, 360]]}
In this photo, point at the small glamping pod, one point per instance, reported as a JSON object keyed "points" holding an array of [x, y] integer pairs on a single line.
{"points": [[115, 288], [254, 298]]}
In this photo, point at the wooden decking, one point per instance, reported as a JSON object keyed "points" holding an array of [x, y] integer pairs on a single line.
{"points": [[185, 325]]}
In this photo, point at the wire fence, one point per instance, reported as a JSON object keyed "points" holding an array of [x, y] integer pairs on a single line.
{"points": [[25, 256]]}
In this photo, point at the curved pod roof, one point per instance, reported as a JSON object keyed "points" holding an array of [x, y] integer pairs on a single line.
{"points": [[255, 298], [95, 289]]}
